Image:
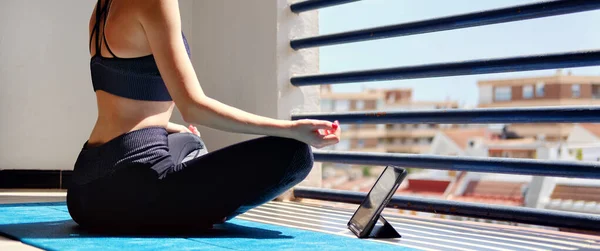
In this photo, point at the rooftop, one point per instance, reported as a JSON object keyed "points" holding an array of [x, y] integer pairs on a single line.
{"points": [[592, 128], [462, 136], [558, 78]]}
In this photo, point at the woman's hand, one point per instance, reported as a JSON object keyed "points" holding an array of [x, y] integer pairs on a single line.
{"points": [[194, 130], [176, 128], [317, 133]]}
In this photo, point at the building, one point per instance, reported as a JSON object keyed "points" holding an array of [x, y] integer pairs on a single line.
{"points": [[565, 194], [533, 141], [481, 187], [396, 138], [556, 90], [575, 195], [583, 142], [399, 138], [584, 133], [459, 141]]}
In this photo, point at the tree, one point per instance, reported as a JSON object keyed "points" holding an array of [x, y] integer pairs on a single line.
{"points": [[366, 171]]}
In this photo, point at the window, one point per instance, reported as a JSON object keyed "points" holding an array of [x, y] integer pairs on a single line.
{"points": [[342, 105], [576, 91], [380, 104], [527, 91], [539, 89], [360, 105], [503, 93], [471, 143], [391, 98], [361, 143], [326, 105], [596, 91]]}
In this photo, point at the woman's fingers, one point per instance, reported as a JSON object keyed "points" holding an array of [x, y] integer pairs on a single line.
{"points": [[325, 133], [321, 124], [326, 140], [184, 129], [194, 130], [338, 130], [331, 138], [327, 128]]}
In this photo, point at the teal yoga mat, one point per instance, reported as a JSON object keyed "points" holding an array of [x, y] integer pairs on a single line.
{"points": [[49, 226]]}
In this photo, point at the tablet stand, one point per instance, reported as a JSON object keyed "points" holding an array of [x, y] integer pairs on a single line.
{"points": [[385, 231]]}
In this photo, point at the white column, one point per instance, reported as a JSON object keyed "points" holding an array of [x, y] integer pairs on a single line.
{"points": [[292, 99], [540, 187], [241, 53]]}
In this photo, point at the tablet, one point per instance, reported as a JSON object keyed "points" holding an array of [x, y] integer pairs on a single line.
{"points": [[368, 213]]}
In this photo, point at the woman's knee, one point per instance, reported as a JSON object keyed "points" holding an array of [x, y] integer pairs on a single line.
{"points": [[185, 146], [299, 158]]}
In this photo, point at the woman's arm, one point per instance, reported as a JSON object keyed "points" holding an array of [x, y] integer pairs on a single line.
{"points": [[161, 21]]}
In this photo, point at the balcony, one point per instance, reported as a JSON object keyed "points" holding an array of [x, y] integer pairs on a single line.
{"points": [[261, 56], [537, 115]]}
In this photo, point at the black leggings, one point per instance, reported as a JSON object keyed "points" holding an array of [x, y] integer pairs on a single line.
{"points": [[139, 180]]}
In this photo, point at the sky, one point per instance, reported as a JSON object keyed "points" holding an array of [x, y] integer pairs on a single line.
{"points": [[573, 32]]}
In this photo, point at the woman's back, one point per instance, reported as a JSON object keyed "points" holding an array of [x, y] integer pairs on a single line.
{"points": [[130, 93]]}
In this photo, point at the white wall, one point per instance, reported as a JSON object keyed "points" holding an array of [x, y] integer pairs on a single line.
{"points": [[442, 145], [47, 106], [540, 188], [486, 94], [240, 51], [580, 135]]}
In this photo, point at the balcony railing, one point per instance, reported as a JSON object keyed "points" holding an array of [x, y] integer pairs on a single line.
{"points": [[459, 116]]}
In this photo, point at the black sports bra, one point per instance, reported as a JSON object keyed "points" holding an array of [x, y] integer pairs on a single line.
{"points": [[135, 78]]}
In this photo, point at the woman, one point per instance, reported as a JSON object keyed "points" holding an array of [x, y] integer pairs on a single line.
{"points": [[139, 171]]}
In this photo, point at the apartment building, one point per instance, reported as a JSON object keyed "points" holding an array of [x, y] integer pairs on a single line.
{"points": [[400, 138], [557, 90]]}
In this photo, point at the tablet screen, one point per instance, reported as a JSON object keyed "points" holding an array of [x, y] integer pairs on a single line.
{"points": [[376, 197]]}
